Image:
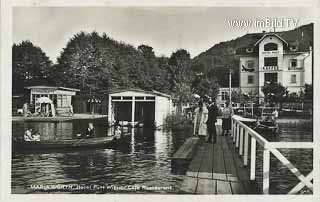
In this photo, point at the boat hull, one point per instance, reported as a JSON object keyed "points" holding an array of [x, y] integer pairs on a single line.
{"points": [[68, 144]]}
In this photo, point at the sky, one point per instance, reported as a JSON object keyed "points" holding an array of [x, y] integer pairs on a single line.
{"points": [[195, 29]]}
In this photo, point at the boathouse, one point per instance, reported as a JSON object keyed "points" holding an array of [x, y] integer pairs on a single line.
{"points": [[61, 96], [139, 106]]}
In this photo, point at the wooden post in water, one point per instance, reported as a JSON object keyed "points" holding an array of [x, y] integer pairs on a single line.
{"points": [[246, 148], [266, 171], [253, 159], [133, 111], [241, 142]]}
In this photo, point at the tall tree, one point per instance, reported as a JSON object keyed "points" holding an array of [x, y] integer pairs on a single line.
{"points": [[30, 66]]}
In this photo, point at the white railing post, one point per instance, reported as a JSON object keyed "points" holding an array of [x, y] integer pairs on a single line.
{"points": [[241, 142], [253, 159], [266, 171], [246, 148], [235, 132], [232, 122], [238, 135]]}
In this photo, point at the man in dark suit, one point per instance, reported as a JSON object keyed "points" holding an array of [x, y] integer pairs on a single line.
{"points": [[212, 119]]}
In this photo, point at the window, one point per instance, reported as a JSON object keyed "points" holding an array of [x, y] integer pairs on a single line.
{"points": [[224, 95], [270, 61], [270, 47], [271, 77], [293, 63], [250, 79], [293, 78], [250, 64]]}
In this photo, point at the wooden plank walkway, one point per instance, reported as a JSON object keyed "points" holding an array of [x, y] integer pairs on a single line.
{"points": [[217, 169]]}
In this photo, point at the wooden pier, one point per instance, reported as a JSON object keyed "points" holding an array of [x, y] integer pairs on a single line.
{"points": [[229, 166], [217, 169]]}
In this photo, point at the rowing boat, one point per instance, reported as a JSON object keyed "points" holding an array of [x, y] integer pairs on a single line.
{"points": [[68, 143]]}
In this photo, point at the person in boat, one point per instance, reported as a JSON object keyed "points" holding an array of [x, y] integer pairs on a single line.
{"points": [[226, 119], [90, 131], [200, 121], [28, 135], [117, 132], [275, 114], [36, 137]]}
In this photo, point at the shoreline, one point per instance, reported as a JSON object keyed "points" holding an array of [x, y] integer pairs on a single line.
{"points": [[59, 118]]}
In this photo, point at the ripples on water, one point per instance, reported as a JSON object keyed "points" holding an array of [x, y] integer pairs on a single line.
{"points": [[146, 162]]}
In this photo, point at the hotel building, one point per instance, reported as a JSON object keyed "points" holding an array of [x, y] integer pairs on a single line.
{"points": [[271, 57]]}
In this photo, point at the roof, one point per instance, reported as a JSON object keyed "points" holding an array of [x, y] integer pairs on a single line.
{"points": [[271, 34], [292, 38], [52, 87], [153, 92]]}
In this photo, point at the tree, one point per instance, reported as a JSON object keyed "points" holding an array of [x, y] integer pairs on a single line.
{"points": [[274, 92], [30, 66], [207, 87], [97, 63]]}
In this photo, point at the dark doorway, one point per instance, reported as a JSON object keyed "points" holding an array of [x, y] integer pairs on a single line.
{"points": [[122, 111], [145, 112]]}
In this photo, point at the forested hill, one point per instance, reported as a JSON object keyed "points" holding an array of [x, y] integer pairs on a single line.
{"points": [[221, 56]]}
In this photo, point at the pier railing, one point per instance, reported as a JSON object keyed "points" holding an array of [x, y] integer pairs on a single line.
{"points": [[241, 134]]}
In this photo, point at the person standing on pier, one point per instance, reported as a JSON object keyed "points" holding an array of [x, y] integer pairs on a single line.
{"points": [[226, 119], [201, 117], [212, 119]]}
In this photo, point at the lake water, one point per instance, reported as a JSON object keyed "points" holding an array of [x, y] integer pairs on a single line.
{"points": [[144, 163]]}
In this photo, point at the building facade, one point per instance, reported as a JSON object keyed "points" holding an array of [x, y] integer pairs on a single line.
{"points": [[270, 57]]}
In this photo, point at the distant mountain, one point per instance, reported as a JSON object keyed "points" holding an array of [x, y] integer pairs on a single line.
{"points": [[216, 60]]}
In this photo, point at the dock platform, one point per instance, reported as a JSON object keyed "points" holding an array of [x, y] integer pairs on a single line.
{"points": [[217, 169]]}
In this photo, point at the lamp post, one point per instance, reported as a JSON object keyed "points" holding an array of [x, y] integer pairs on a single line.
{"points": [[230, 73]]}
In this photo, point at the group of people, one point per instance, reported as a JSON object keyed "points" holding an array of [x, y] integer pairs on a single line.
{"points": [[30, 135], [206, 117]]}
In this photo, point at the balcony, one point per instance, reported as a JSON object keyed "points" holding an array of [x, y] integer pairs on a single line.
{"points": [[295, 68], [271, 68]]}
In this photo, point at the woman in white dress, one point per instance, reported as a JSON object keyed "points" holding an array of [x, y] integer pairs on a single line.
{"points": [[200, 121]]}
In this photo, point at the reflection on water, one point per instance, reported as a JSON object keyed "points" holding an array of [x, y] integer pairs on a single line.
{"points": [[145, 162]]}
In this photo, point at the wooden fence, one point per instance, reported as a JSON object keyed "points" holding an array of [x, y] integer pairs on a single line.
{"points": [[241, 134]]}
